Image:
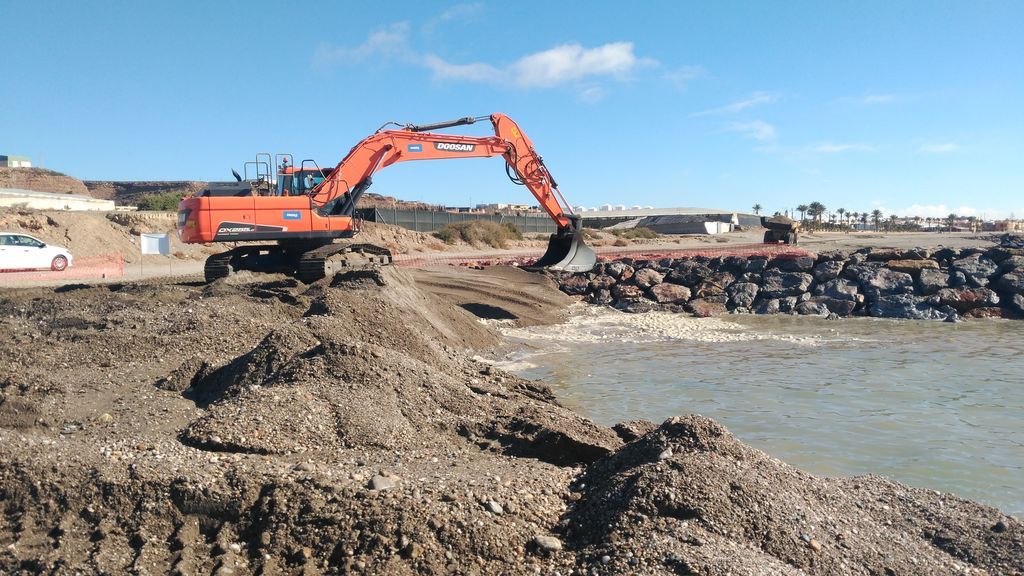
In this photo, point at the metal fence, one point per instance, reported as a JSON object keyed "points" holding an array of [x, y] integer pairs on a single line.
{"points": [[430, 220]]}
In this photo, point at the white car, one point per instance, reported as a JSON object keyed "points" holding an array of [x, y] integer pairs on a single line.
{"points": [[23, 252]]}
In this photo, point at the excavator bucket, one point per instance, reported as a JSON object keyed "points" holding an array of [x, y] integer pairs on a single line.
{"points": [[567, 252]]}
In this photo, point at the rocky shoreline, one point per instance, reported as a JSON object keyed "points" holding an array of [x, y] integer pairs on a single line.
{"points": [[921, 284]]}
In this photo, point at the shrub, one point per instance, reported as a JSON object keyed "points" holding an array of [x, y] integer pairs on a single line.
{"points": [[163, 202], [639, 232], [477, 232]]}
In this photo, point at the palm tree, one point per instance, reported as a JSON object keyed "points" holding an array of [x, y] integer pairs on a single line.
{"points": [[816, 209], [842, 213], [864, 219], [952, 220], [757, 209], [892, 221], [802, 209], [876, 217]]}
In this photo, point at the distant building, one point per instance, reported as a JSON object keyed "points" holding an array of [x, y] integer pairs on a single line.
{"points": [[15, 162]]}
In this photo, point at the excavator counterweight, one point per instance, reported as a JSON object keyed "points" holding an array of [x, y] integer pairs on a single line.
{"points": [[303, 209]]}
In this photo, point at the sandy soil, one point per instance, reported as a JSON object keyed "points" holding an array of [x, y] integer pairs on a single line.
{"points": [[257, 425]]}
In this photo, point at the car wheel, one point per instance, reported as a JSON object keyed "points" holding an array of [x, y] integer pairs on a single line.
{"points": [[59, 263]]}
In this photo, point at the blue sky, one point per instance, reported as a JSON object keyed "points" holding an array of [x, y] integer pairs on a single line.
{"points": [[911, 107]]}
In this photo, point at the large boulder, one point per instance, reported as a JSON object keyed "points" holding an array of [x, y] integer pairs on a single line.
{"points": [[1012, 263], [715, 284], [601, 296], [705, 308], [839, 289], [964, 299], [778, 284], [602, 282], [1012, 282], [576, 285], [798, 264], [1017, 303], [884, 282], [769, 306], [912, 267], [619, 270], [667, 293], [627, 292], [931, 281], [756, 264], [828, 270], [743, 294], [857, 270], [987, 312], [812, 308], [977, 267], [905, 306], [647, 277], [1000, 253], [837, 306], [833, 255], [688, 273]]}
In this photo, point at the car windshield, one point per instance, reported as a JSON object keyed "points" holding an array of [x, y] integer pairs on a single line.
{"points": [[16, 240]]}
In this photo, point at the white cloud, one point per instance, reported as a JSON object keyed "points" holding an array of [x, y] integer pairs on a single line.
{"points": [[456, 12], [387, 42], [477, 72], [944, 148], [682, 76], [830, 148], [755, 99], [571, 62], [758, 130]]}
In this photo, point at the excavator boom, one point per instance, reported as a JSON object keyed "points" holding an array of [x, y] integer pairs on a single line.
{"points": [[248, 210]]}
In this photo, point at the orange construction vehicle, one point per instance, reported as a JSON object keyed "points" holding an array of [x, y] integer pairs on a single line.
{"points": [[303, 209]]}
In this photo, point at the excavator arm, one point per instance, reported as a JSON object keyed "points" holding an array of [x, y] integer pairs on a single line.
{"points": [[341, 190]]}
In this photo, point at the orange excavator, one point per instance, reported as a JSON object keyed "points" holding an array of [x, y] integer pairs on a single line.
{"points": [[303, 209]]}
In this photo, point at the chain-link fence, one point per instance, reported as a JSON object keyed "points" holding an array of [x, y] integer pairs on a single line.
{"points": [[430, 220]]}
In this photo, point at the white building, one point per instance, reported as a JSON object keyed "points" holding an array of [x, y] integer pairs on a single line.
{"points": [[14, 162]]}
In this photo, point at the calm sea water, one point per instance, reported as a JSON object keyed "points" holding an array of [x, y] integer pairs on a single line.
{"points": [[930, 404]]}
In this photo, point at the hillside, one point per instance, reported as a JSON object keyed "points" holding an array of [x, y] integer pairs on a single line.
{"points": [[41, 180]]}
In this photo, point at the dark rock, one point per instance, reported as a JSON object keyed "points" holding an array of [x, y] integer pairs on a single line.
{"points": [[905, 306], [754, 277], [834, 305], [770, 306], [912, 267], [964, 299], [828, 270], [1000, 254], [977, 268], [602, 282], [799, 264], [756, 265], [704, 308], [778, 284], [575, 285], [647, 277], [636, 306], [856, 258], [601, 296], [839, 289], [810, 308], [883, 282], [1011, 264], [666, 262], [1017, 303], [735, 264], [688, 273], [999, 527], [669, 293], [633, 429], [714, 285], [957, 279], [855, 271], [619, 270], [803, 297], [627, 292], [833, 256], [742, 294], [1012, 282], [946, 254], [787, 304], [931, 281]]}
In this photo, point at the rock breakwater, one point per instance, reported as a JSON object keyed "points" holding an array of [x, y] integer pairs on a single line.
{"points": [[921, 284]]}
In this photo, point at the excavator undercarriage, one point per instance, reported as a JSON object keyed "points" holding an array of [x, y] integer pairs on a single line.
{"points": [[306, 263]]}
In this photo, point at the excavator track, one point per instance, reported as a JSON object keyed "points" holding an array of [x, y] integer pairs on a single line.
{"points": [[218, 266], [333, 258]]}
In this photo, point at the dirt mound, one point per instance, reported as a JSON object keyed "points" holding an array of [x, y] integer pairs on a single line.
{"points": [[262, 426], [41, 180], [688, 497]]}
